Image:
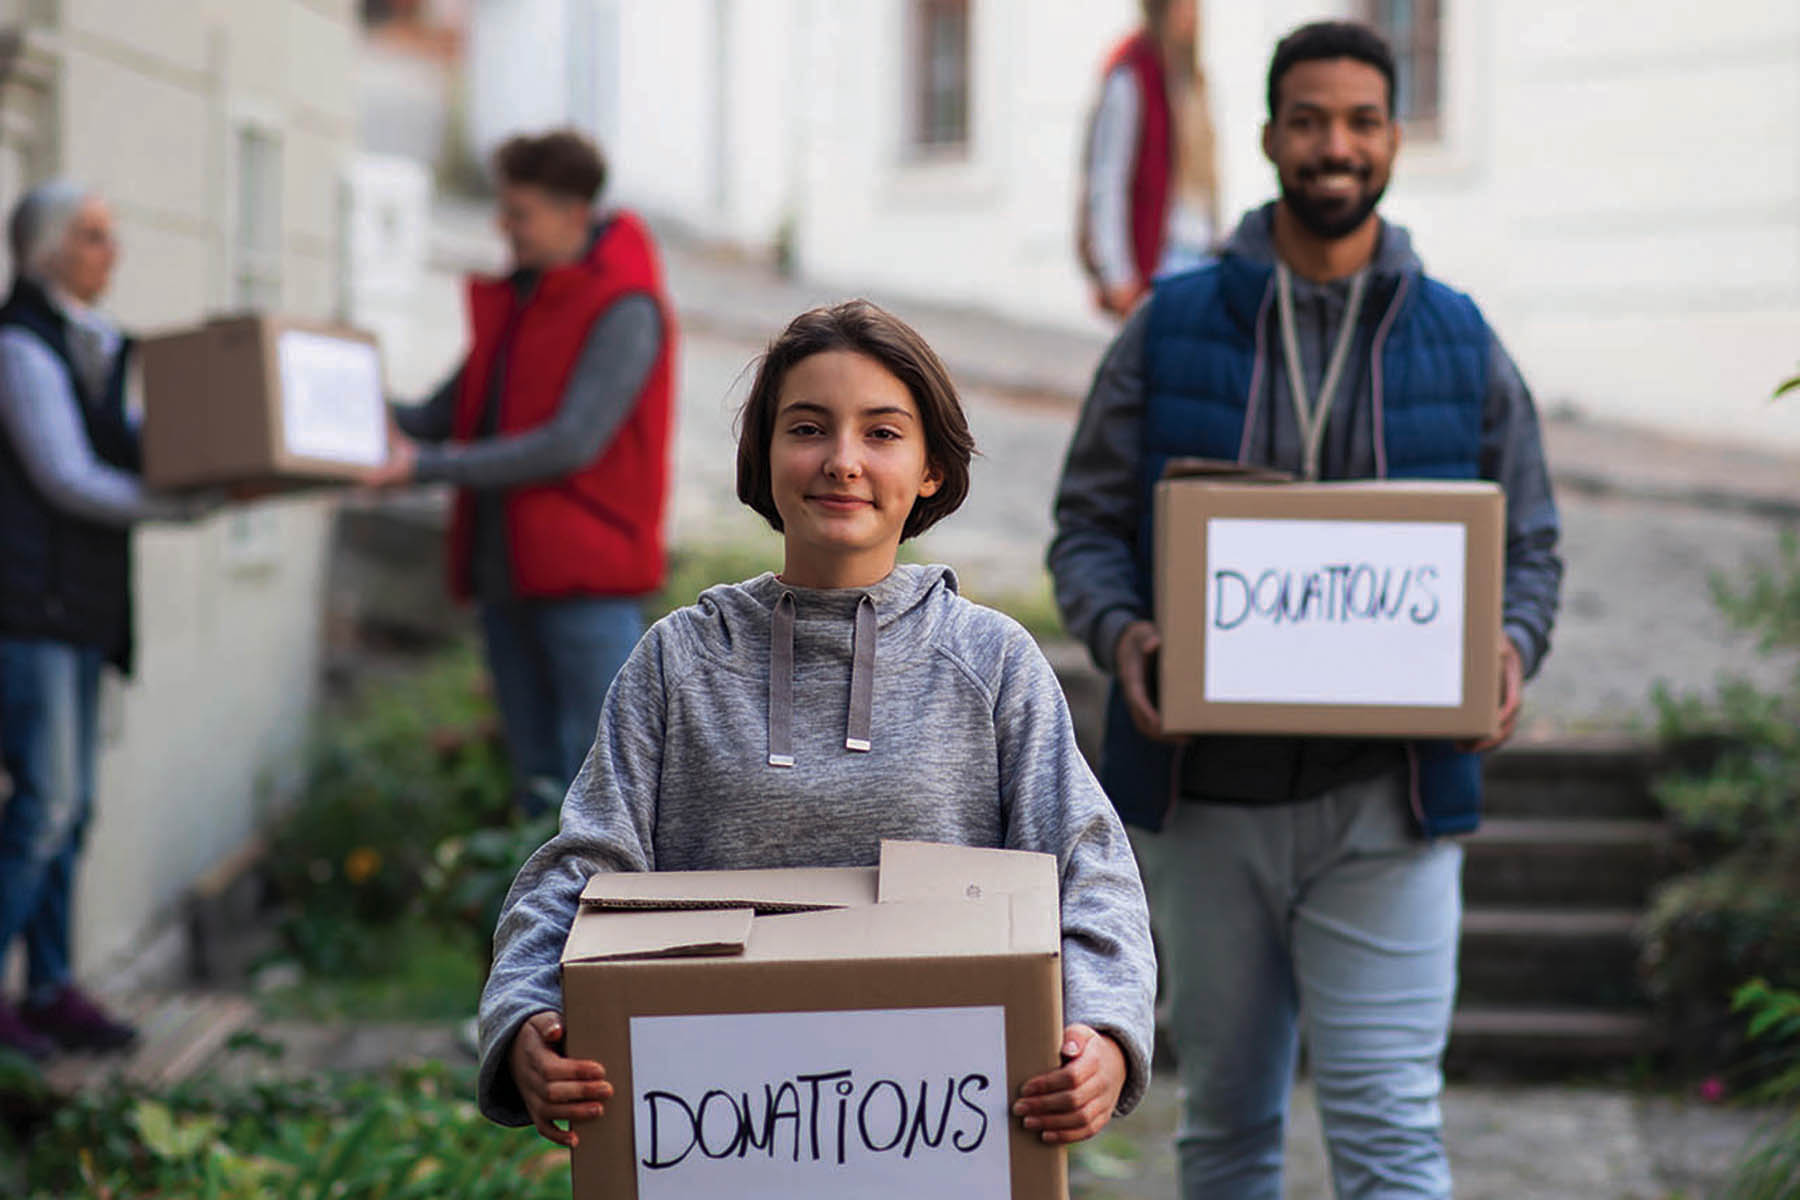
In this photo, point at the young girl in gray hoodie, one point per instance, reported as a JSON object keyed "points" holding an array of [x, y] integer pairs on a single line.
{"points": [[796, 720]]}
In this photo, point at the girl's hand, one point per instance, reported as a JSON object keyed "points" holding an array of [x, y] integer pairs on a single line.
{"points": [[555, 1088], [1075, 1102]]}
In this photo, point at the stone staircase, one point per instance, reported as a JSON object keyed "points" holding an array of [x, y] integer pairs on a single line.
{"points": [[1554, 885]]}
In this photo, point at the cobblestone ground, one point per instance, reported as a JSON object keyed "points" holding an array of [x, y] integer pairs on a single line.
{"points": [[1537, 1143]]}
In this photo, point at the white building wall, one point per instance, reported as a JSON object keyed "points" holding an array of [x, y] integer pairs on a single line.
{"points": [[1619, 189], [994, 229], [517, 68], [145, 105]]}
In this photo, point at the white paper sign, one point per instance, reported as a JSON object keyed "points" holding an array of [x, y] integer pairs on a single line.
{"points": [[885, 1104], [1335, 612], [331, 404]]}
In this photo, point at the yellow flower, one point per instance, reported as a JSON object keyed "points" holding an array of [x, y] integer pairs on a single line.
{"points": [[361, 863]]}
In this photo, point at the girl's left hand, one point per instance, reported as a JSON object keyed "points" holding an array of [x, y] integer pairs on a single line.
{"points": [[1076, 1101]]}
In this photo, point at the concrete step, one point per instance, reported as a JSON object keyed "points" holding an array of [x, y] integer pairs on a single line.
{"points": [[1580, 958], [1531, 1040], [178, 1033], [1544, 863], [1592, 779]]}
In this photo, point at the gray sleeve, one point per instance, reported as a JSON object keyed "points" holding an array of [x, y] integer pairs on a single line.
{"points": [[618, 356], [42, 418], [1092, 558], [1053, 804], [1112, 154], [432, 419], [1512, 454], [607, 825]]}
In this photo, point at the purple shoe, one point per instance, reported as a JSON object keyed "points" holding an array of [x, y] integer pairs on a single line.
{"points": [[74, 1022], [20, 1038]]}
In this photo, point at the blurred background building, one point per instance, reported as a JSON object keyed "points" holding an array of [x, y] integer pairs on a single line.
{"points": [[1618, 185]]}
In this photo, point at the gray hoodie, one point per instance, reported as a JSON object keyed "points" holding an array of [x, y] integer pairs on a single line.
{"points": [[969, 742], [1099, 502]]}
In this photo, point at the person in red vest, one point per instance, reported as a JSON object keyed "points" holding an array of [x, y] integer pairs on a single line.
{"points": [[1148, 192], [555, 432]]}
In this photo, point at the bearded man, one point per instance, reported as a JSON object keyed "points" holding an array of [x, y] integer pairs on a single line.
{"points": [[1303, 886]]}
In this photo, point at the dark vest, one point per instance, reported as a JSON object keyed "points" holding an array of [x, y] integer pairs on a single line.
{"points": [[1202, 377], [63, 577]]}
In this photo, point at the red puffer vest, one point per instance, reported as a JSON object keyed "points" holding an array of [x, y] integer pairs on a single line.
{"points": [[597, 532], [1153, 162]]}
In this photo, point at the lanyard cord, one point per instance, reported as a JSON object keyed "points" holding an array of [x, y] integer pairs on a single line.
{"points": [[1313, 416]]}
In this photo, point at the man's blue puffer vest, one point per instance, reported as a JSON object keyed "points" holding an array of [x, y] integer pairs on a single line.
{"points": [[1200, 356]]}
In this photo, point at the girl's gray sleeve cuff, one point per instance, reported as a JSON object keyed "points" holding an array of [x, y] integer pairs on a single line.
{"points": [[496, 1093]]}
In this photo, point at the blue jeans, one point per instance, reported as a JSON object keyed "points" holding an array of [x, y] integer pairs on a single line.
{"points": [[49, 710], [1330, 918], [552, 662]]}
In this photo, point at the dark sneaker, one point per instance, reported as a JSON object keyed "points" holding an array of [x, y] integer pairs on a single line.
{"points": [[74, 1022], [20, 1038]]}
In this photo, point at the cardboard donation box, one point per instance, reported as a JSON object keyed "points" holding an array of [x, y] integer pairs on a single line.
{"points": [[784, 1034], [1354, 609], [261, 400]]}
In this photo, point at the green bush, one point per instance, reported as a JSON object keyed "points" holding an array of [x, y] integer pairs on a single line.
{"points": [[397, 783], [1771, 1170], [1735, 795], [408, 1134]]}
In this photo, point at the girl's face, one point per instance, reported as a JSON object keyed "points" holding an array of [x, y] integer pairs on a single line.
{"points": [[846, 462]]}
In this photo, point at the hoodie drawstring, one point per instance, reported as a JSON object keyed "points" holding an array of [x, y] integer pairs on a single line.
{"points": [[859, 719], [862, 677], [781, 683]]}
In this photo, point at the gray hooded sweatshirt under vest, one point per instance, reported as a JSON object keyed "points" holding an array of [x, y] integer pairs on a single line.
{"points": [[968, 741]]}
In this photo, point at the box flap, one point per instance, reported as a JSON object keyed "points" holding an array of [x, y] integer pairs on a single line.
{"points": [[929, 871], [947, 927], [1223, 470], [765, 891], [617, 937]]}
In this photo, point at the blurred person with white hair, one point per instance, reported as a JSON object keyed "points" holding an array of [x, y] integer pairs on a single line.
{"points": [[70, 492]]}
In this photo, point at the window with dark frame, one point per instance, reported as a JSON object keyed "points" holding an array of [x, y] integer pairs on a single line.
{"points": [[941, 74], [1412, 29]]}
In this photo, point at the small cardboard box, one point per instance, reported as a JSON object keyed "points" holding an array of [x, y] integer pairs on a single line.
{"points": [[1356, 609], [261, 400], [779, 1035]]}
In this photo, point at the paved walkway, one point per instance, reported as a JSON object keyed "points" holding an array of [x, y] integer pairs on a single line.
{"points": [[1505, 1143]]}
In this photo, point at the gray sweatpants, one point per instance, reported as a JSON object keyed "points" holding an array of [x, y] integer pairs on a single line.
{"points": [[1328, 918]]}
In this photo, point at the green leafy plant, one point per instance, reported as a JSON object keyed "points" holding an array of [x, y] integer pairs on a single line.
{"points": [[412, 764], [1734, 792], [406, 1135], [1771, 1169]]}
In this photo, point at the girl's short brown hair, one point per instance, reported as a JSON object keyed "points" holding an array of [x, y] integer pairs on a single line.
{"points": [[864, 328]]}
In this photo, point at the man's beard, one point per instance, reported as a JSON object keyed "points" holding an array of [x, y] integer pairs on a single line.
{"points": [[1330, 219]]}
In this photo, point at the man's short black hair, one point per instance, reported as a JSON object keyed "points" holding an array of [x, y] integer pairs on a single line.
{"points": [[1327, 40]]}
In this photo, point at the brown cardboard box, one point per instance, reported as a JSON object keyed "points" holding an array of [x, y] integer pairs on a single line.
{"points": [[1361, 609], [261, 400], [778, 1035]]}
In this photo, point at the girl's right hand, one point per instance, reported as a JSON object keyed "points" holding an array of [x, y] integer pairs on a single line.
{"points": [[555, 1088]]}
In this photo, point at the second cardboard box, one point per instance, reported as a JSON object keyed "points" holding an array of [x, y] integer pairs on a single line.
{"points": [[1338, 609]]}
